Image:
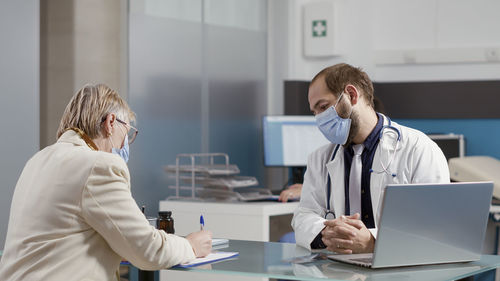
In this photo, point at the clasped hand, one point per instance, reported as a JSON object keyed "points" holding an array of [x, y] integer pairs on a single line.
{"points": [[347, 235]]}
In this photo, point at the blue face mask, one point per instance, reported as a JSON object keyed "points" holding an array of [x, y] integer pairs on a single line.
{"points": [[124, 151], [334, 128]]}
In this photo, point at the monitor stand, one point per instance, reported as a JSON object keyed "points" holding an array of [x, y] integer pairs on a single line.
{"points": [[298, 174]]}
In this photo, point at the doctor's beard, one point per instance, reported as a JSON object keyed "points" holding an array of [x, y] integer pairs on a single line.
{"points": [[354, 130]]}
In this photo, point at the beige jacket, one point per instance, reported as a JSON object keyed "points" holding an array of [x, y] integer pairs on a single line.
{"points": [[73, 218]]}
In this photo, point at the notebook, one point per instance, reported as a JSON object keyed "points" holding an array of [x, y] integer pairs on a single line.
{"points": [[428, 224]]}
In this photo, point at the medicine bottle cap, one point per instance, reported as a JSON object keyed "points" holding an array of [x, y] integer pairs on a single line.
{"points": [[165, 214]]}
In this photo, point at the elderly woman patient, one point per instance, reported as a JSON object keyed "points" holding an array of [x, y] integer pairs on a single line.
{"points": [[73, 216]]}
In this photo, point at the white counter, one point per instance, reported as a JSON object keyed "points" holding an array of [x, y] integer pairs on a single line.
{"points": [[243, 221]]}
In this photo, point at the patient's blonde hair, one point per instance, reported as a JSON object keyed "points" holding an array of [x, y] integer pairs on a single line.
{"points": [[88, 108]]}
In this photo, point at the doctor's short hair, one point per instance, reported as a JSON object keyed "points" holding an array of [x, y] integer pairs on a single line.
{"points": [[338, 76], [89, 106]]}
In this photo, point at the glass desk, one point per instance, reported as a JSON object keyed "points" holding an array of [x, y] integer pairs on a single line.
{"points": [[279, 260]]}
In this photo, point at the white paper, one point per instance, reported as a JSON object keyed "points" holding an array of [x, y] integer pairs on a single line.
{"points": [[212, 257], [219, 241]]}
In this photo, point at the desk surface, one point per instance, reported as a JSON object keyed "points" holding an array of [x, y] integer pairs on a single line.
{"points": [[273, 260]]}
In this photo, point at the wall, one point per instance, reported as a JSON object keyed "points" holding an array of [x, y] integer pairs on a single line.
{"points": [[366, 29], [56, 65], [81, 42], [286, 53], [451, 26], [48, 51], [19, 100], [480, 134], [465, 26]]}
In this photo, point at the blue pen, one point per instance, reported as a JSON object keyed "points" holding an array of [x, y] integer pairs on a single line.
{"points": [[202, 222]]}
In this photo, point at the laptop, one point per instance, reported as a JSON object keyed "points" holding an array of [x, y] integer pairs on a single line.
{"points": [[428, 224]]}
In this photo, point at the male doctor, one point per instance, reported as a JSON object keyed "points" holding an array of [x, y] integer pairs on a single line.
{"points": [[344, 182]]}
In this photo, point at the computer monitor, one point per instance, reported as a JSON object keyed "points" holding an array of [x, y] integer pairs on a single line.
{"points": [[452, 145], [288, 140]]}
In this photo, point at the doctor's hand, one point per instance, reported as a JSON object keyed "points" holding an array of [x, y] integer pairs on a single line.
{"points": [[201, 242], [362, 241], [339, 236]]}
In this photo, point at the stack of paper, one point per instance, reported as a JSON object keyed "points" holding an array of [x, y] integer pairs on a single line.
{"points": [[219, 241], [212, 257]]}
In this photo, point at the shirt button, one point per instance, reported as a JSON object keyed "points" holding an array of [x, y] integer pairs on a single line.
{"points": [[366, 216], [363, 191]]}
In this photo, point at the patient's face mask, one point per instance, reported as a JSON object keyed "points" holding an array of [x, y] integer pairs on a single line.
{"points": [[334, 128], [122, 152]]}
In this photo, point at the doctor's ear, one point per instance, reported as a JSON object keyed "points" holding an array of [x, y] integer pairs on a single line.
{"points": [[353, 93]]}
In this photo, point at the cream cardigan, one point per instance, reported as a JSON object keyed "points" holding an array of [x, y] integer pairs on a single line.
{"points": [[73, 218]]}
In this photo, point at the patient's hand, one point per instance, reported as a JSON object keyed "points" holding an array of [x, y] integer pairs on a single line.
{"points": [[292, 192], [201, 242]]}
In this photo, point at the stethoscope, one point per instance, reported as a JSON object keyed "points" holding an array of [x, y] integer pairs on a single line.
{"points": [[330, 214]]}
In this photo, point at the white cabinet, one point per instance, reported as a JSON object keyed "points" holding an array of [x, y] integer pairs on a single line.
{"points": [[243, 221]]}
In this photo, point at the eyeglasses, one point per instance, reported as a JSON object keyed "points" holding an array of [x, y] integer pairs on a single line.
{"points": [[132, 133]]}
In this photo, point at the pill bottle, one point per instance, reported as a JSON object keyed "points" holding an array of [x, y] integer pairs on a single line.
{"points": [[166, 222]]}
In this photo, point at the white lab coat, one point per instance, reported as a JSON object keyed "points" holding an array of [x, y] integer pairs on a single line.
{"points": [[417, 160]]}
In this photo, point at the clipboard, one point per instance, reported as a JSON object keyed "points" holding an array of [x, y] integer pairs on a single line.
{"points": [[212, 257]]}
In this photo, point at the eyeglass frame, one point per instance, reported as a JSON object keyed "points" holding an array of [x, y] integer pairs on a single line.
{"points": [[134, 134], [130, 141]]}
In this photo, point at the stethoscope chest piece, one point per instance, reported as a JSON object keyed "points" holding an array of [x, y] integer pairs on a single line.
{"points": [[329, 215]]}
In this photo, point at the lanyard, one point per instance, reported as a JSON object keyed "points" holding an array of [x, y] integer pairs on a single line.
{"points": [[85, 138]]}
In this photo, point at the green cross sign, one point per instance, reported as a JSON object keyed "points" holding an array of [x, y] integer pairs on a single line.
{"points": [[319, 28]]}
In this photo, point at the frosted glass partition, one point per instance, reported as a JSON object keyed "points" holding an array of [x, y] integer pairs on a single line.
{"points": [[197, 81], [236, 69], [19, 99]]}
